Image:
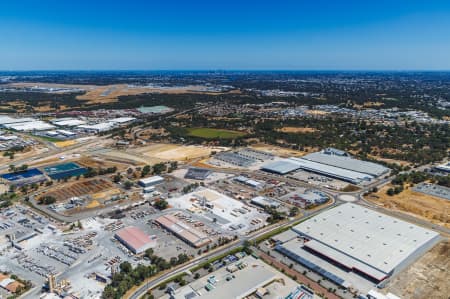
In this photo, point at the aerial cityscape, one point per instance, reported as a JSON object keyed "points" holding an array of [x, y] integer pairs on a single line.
{"points": [[137, 172]]}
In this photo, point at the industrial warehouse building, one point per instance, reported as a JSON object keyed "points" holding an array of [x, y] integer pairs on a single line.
{"points": [[26, 177], [358, 240], [443, 167], [343, 174], [339, 159], [284, 166], [197, 174], [68, 122], [183, 231], [150, 181], [264, 202], [332, 163], [135, 239], [65, 170]]}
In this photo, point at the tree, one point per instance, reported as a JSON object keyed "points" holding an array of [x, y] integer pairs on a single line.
{"points": [[293, 212], [145, 170], [117, 178], [127, 185], [161, 204], [159, 168], [173, 166], [390, 192], [48, 200], [125, 267], [23, 167]]}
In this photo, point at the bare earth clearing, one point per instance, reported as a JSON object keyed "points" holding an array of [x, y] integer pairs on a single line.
{"points": [[424, 206], [281, 151], [427, 277], [301, 130], [180, 153]]}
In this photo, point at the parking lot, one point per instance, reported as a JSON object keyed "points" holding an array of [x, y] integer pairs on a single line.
{"points": [[318, 180]]}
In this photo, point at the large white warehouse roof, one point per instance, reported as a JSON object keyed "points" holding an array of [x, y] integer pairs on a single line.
{"points": [[281, 166], [68, 122], [377, 240], [5, 119], [336, 172], [36, 125], [349, 163]]}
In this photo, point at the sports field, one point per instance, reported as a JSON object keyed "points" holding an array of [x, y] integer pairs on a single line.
{"points": [[209, 133]]}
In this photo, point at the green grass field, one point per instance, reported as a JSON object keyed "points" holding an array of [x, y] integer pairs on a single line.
{"points": [[208, 133]]}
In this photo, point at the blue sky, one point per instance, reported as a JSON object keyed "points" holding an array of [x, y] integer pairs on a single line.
{"points": [[197, 34]]}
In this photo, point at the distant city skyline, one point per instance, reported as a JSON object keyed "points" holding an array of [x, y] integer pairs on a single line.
{"points": [[231, 35]]}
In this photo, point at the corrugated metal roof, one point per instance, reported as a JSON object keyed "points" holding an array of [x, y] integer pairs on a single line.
{"points": [[340, 173], [135, 238], [347, 163], [281, 166], [378, 240]]}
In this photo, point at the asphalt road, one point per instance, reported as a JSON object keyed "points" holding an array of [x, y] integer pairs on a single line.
{"points": [[152, 282]]}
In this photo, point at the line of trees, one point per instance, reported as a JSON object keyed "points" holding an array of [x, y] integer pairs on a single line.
{"points": [[128, 276]]}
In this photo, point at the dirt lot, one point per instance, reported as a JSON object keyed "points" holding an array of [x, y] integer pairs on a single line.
{"points": [[317, 112], [65, 191], [181, 153], [399, 162], [97, 163], [26, 153], [300, 130], [424, 206], [427, 277], [123, 157], [65, 143], [281, 151]]}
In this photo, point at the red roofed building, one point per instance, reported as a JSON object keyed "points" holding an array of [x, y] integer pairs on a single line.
{"points": [[135, 239]]}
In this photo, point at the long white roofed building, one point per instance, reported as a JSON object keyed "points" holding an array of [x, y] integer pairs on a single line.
{"points": [[360, 240]]}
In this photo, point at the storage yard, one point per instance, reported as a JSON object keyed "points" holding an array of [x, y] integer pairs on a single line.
{"points": [[230, 214], [42, 248], [77, 189]]}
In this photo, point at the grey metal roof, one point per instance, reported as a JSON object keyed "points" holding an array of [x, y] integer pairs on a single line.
{"points": [[281, 166], [347, 163], [378, 240], [333, 171]]}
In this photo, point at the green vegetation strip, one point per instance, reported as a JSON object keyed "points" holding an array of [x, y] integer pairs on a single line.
{"points": [[46, 138], [209, 133]]}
